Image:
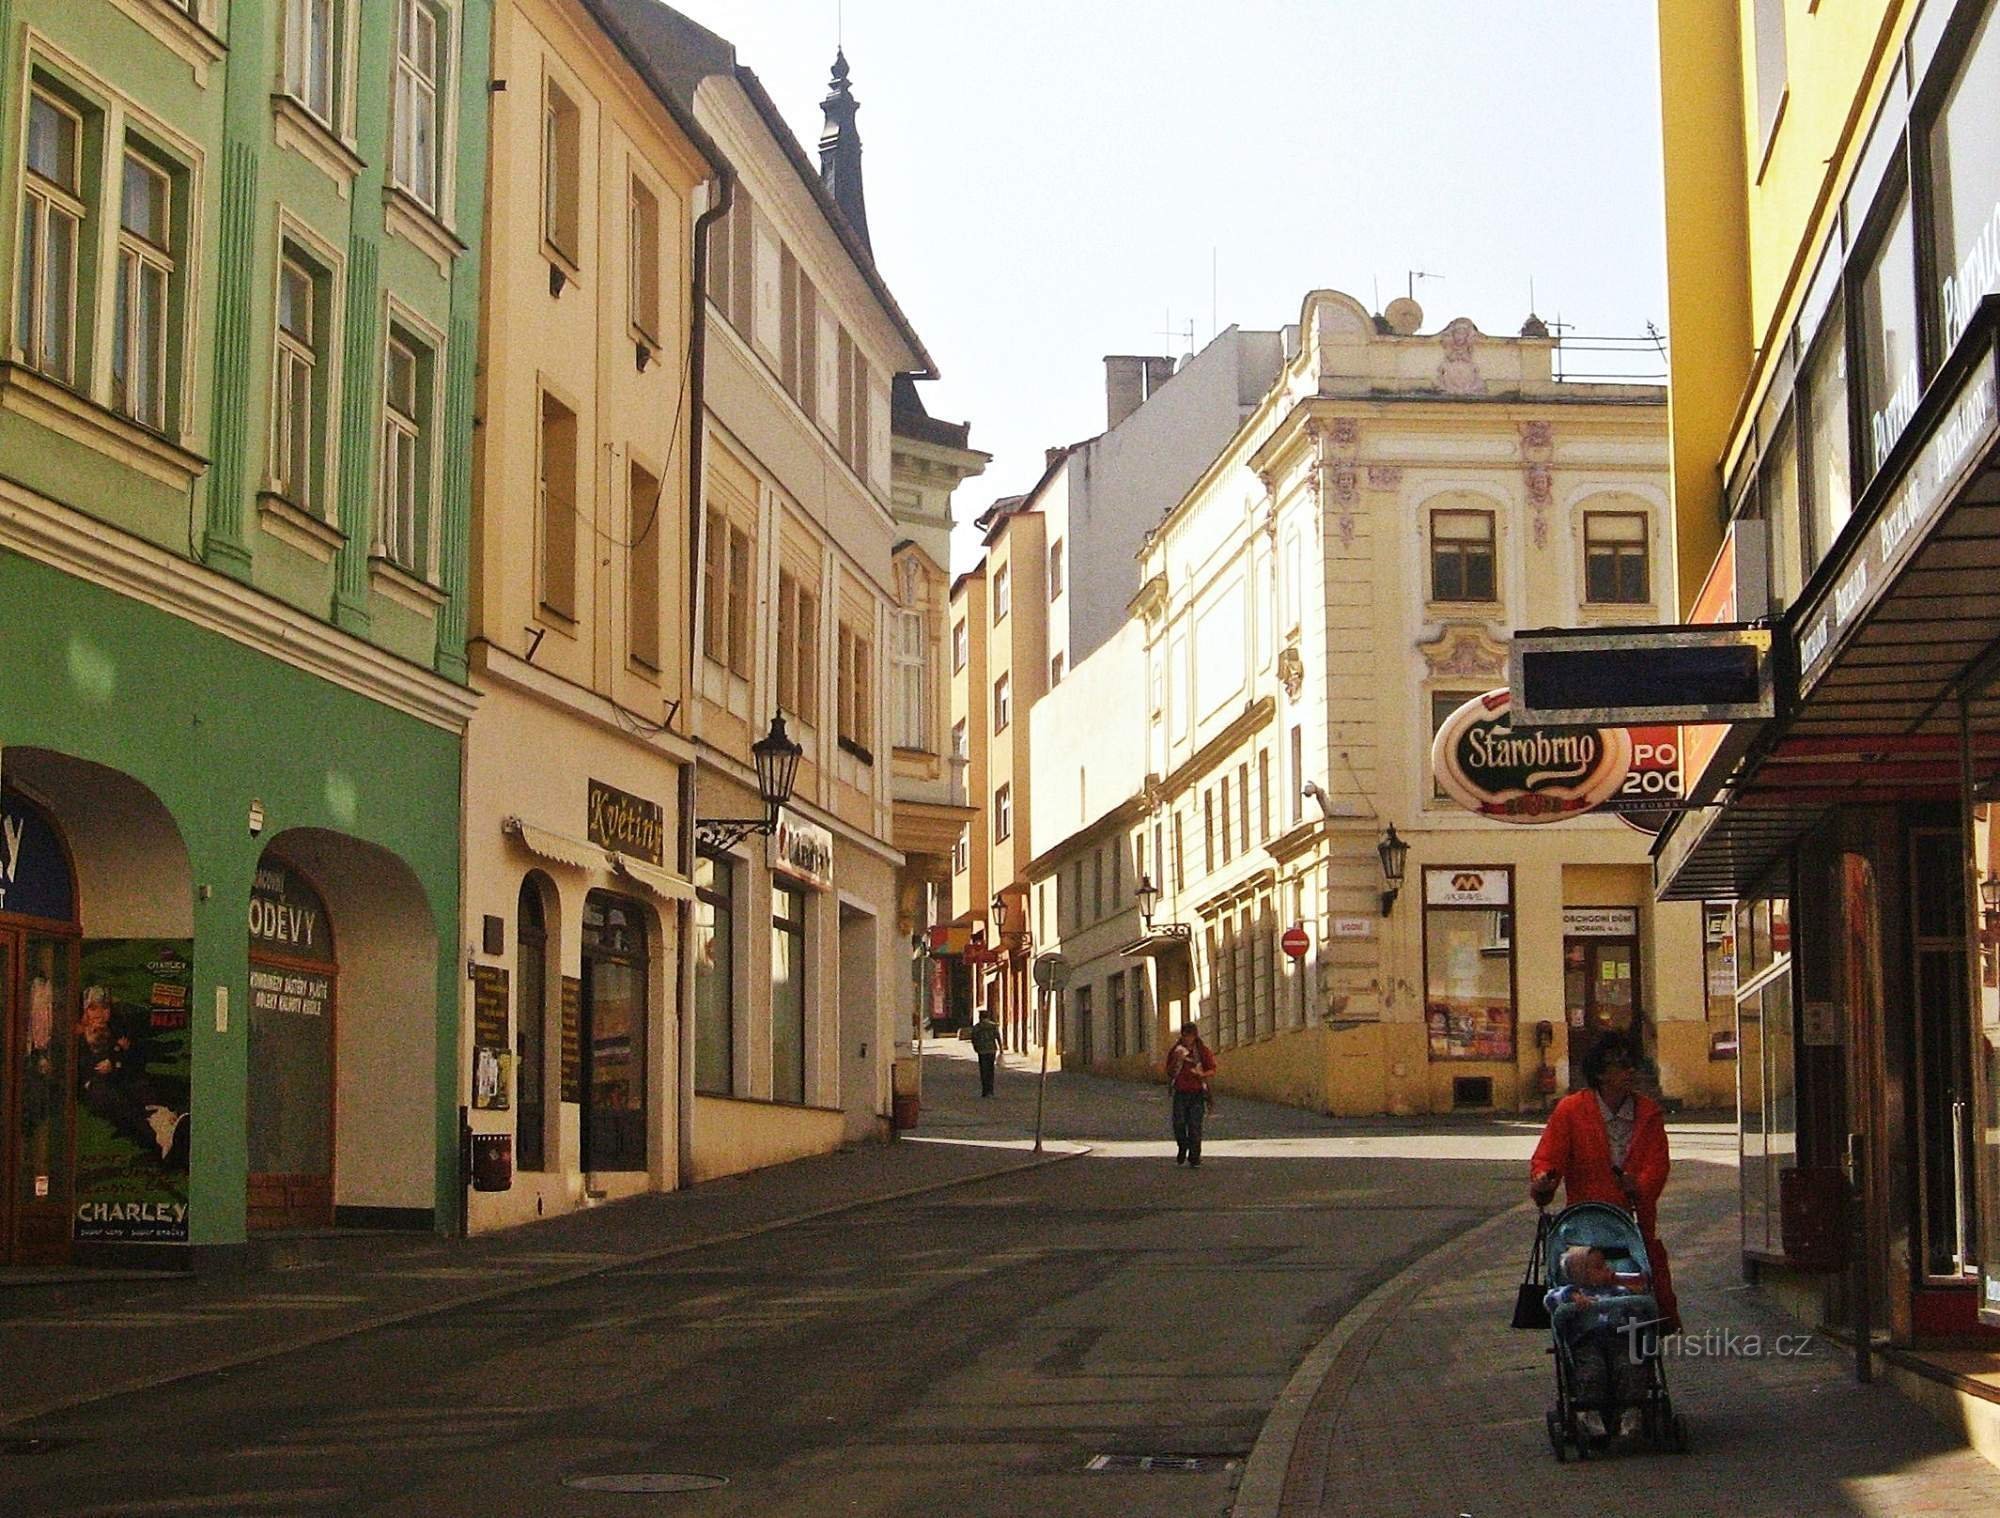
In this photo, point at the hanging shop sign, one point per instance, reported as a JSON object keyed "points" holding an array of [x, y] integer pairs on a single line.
{"points": [[287, 917], [1532, 775], [34, 870], [626, 824], [1600, 922], [802, 850], [1967, 428]]}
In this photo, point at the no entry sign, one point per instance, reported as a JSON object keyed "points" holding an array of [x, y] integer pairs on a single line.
{"points": [[1296, 941]]}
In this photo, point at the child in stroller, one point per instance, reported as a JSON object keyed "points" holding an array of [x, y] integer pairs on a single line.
{"points": [[1604, 1324]]}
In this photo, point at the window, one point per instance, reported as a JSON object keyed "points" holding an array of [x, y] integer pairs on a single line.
{"points": [[1055, 671], [1118, 1015], [644, 257], [1223, 786], [1003, 594], [714, 975], [788, 993], [139, 347], [856, 693], [1055, 569], [1298, 775], [1886, 308], [1180, 861], [1829, 494], [1965, 179], [1243, 804], [1076, 894], [798, 648], [613, 1034], [642, 590], [1469, 963], [1264, 794], [52, 216], [1772, 70], [912, 683], [414, 156], [961, 646], [1142, 1035], [961, 852], [296, 430], [562, 158], [725, 582], [1003, 813], [958, 736], [1096, 884], [557, 516], [1462, 556], [406, 430], [1614, 558], [1003, 704], [1208, 830], [309, 55]]}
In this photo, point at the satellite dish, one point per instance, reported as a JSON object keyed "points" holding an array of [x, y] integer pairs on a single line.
{"points": [[1404, 316]]}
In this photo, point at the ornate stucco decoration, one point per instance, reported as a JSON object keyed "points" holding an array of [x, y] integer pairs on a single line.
{"points": [[1385, 477], [1458, 374], [1464, 651], [1538, 475], [1291, 670], [1338, 445]]}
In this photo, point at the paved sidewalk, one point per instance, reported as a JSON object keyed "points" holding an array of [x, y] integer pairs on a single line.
{"points": [[1422, 1402], [73, 1340]]}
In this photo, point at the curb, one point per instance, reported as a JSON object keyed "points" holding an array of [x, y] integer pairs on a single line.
{"points": [[1261, 1493], [18, 1415]]}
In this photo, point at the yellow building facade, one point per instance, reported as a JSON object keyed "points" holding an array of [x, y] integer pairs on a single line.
{"points": [[578, 762]]}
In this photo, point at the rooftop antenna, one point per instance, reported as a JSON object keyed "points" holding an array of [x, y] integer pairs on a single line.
{"points": [[1410, 287], [1375, 282]]}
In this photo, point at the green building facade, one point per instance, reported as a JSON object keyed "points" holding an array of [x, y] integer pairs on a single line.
{"points": [[240, 310]]}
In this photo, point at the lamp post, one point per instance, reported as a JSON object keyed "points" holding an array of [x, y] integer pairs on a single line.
{"points": [[1394, 854], [1149, 897], [776, 758]]}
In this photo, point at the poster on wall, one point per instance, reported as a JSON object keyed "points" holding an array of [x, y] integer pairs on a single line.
{"points": [[490, 1059], [1458, 1031], [133, 1080]]}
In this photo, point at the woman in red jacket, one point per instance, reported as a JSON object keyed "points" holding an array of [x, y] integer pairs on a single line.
{"points": [[1609, 1144]]}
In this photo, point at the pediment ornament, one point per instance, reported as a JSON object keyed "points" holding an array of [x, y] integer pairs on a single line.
{"points": [[1465, 652]]}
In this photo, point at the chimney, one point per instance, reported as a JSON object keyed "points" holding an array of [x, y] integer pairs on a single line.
{"points": [[1158, 372], [1124, 387]]}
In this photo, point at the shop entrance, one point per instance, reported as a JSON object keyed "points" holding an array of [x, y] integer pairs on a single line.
{"points": [[293, 980], [38, 1015], [613, 1033], [1600, 980]]}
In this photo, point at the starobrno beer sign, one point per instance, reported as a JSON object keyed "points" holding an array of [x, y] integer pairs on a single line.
{"points": [[1489, 767]]}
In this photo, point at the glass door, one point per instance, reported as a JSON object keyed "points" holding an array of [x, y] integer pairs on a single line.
{"points": [[1600, 995], [614, 1034], [1943, 1055]]}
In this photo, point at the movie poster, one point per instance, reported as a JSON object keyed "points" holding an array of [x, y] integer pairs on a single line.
{"points": [[133, 1076]]}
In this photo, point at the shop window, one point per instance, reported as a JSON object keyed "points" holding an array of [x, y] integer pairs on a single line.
{"points": [[1943, 1043], [614, 1030], [142, 366], [1886, 337], [1462, 556], [415, 150], [1615, 559], [531, 1001], [1469, 1011], [52, 238], [788, 993], [298, 396], [409, 383], [1965, 184], [1766, 1066], [642, 587], [556, 516], [714, 976], [311, 49], [294, 1010]]}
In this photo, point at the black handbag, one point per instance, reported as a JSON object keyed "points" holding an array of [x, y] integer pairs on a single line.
{"points": [[1530, 1298]]}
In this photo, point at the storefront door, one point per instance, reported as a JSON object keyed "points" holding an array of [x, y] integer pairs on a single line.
{"points": [[293, 981], [613, 1034], [38, 1015], [1600, 995]]}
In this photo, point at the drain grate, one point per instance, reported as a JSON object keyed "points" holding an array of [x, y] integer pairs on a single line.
{"points": [[1182, 1465], [646, 1481]]}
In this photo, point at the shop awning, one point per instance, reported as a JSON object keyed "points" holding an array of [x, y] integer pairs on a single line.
{"points": [[1158, 945], [1895, 644], [662, 883], [554, 847]]}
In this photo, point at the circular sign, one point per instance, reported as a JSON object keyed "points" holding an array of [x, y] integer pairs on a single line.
{"points": [[1051, 972], [1529, 774], [1296, 941]]}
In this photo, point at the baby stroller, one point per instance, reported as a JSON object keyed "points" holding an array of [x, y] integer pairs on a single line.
{"points": [[1597, 1225]]}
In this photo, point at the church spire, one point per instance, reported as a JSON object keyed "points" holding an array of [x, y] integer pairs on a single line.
{"points": [[840, 149]]}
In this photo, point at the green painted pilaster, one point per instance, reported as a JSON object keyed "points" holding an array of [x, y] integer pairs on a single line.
{"points": [[358, 401], [225, 545]]}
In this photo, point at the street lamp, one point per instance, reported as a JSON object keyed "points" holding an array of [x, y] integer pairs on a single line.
{"points": [[1149, 897], [1394, 854], [776, 758], [999, 916]]}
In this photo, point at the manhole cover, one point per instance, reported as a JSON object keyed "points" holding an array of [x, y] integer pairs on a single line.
{"points": [[1178, 1464], [646, 1481]]}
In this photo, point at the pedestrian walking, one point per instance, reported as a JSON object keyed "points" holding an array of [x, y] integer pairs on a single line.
{"points": [[1608, 1143], [986, 1044], [1190, 1063]]}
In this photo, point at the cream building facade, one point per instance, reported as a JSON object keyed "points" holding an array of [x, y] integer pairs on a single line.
{"points": [[1345, 573], [577, 774]]}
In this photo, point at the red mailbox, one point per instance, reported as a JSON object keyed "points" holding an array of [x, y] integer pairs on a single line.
{"points": [[492, 1161]]}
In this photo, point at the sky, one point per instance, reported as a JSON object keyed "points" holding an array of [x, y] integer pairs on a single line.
{"points": [[1050, 181]]}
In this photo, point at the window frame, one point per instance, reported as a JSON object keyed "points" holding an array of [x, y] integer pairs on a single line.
{"points": [[1621, 550], [411, 433], [1003, 813], [547, 608], [1003, 702], [1462, 550], [1003, 593], [562, 172], [643, 263], [138, 257], [643, 603], [408, 80], [910, 652], [44, 199], [961, 645], [301, 358], [1056, 570], [295, 61]]}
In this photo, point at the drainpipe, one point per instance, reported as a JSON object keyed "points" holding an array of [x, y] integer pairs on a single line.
{"points": [[725, 190]]}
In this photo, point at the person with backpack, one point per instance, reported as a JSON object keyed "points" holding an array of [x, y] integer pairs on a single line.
{"points": [[1190, 1063], [986, 1044]]}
